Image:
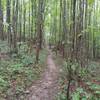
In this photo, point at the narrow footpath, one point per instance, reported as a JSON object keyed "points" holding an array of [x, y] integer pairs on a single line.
{"points": [[46, 88]]}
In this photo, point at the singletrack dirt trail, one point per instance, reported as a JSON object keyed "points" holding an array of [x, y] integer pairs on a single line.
{"points": [[46, 88]]}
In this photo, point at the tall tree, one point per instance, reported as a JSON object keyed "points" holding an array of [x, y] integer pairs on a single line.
{"points": [[14, 24], [8, 20], [40, 26], [1, 22]]}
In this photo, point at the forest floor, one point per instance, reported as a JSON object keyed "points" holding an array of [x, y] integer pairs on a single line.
{"points": [[22, 79], [47, 87], [19, 71]]}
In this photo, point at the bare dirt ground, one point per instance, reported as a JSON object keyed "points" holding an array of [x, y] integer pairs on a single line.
{"points": [[46, 88]]}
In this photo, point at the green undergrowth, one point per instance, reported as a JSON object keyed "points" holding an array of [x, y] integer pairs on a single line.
{"points": [[19, 71], [92, 92]]}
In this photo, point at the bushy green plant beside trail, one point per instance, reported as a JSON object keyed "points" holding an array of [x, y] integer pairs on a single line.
{"points": [[91, 92], [19, 71]]}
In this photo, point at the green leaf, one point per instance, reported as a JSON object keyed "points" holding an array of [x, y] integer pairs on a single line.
{"points": [[90, 2], [97, 92], [84, 98], [76, 96]]}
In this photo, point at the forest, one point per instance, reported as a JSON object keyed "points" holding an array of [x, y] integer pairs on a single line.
{"points": [[49, 49]]}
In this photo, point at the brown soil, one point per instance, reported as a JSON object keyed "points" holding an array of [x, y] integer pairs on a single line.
{"points": [[46, 88]]}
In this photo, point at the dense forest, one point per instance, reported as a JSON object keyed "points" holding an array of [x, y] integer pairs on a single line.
{"points": [[49, 50]]}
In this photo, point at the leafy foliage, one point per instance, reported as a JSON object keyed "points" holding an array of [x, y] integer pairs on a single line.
{"points": [[19, 71], [91, 92]]}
